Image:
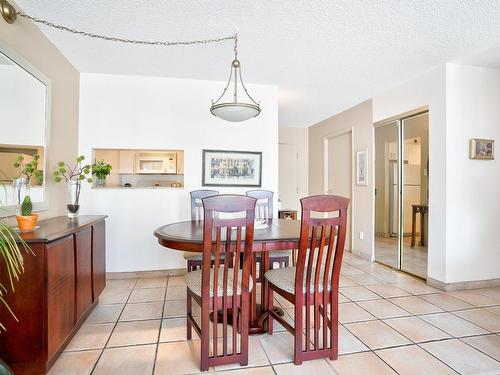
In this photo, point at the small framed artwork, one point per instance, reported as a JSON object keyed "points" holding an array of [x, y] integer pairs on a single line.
{"points": [[362, 167], [232, 168], [482, 149]]}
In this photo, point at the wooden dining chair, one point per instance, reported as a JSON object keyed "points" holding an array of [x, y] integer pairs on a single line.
{"points": [[264, 210], [194, 260], [312, 286], [227, 284]]}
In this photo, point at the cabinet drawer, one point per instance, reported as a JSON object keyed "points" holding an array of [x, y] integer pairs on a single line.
{"points": [[83, 263]]}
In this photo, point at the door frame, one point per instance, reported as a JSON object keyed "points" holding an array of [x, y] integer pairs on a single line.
{"points": [[326, 139]]}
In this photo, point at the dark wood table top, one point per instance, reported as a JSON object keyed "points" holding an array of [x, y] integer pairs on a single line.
{"points": [[188, 235], [58, 227]]}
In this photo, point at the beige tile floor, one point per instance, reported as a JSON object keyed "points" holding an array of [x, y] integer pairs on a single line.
{"points": [[390, 323]]}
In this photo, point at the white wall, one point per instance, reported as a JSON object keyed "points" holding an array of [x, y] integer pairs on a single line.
{"points": [[472, 186], [163, 113], [427, 90]]}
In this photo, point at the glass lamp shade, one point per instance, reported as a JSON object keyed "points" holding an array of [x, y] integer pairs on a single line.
{"points": [[235, 112]]}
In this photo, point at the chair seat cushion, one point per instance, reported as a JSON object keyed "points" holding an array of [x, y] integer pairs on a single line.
{"points": [[284, 278], [188, 255], [193, 282]]}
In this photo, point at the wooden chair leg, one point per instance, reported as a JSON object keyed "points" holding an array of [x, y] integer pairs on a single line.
{"points": [[334, 332], [297, 357], [189, 311], [205, 336], [244, 311], [270, 302]]}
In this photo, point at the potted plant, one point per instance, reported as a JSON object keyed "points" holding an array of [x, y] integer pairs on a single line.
{"points": [[27, 219], [11, 245], [27, 171], [100, 170], [73, 176]]}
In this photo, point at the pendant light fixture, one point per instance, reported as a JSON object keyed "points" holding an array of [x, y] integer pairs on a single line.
{"points": [[228, 107]]}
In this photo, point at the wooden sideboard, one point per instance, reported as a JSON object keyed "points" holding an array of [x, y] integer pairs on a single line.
{"points": [[60, 286]]}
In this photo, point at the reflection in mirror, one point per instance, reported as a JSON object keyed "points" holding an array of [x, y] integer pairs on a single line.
{"points": [[21, 174], [23, 119]]}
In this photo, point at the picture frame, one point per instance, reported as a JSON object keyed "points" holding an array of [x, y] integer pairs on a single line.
{"points": [[482, 149], [231, 168], [362, 167]]}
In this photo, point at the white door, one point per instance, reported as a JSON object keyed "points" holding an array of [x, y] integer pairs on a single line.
{"points": [[288, 191], [340, 173]]}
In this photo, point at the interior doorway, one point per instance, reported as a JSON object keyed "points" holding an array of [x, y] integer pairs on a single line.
{"points": [[338, 172], [402, 193], [288, 184]]}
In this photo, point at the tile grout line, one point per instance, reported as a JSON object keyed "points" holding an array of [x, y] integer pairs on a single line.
{"points": [[114, 326], [473, 347], [471, 322], [161, 325], [432, 355]]}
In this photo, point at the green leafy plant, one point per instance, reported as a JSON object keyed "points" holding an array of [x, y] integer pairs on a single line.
{"points": [[26, 206], [11, 246], [101, 169], [29, 170]]}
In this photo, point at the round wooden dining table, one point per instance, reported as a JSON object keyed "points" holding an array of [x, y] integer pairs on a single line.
{"points": [[280, 234]]}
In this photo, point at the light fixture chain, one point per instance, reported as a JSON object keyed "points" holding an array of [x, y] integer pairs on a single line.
{"points": [[124, 40], [236, 46]]}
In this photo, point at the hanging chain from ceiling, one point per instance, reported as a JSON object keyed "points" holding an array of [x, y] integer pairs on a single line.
{"points": [[130, 41]]}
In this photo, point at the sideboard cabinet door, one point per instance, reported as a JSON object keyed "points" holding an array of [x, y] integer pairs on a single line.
{"points": [[98, 258], [60, 292], [83, 255]]}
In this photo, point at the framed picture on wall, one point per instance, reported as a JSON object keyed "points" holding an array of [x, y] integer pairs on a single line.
{"points": [[232, 168], [362, 167], [482, 149]]}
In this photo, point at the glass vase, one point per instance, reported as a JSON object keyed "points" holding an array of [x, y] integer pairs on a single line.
{"points": [[100, 182], [73, 206], [20, 189]]}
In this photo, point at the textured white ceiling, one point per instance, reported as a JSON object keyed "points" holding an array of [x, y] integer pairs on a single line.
{"points": [[324, 55]]}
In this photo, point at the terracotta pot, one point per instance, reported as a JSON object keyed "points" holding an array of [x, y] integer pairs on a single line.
{"points": [[27, 223]]}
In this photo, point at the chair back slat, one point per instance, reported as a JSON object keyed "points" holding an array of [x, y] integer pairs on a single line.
{"points": [[321, 247], [196, 203], [264, 205], [230, 275]]}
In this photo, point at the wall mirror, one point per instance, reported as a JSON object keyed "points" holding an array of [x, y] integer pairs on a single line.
{"points": [[24, 129]]}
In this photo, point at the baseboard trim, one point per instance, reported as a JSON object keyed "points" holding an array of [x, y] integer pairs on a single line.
{"points": [[463, 285], [361, 255], [145, 274]]}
